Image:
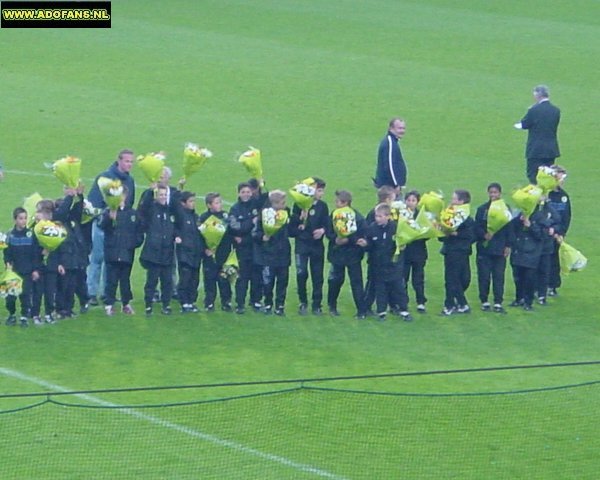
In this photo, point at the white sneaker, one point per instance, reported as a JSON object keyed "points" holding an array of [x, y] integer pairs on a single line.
{"points": [[421, 308]]}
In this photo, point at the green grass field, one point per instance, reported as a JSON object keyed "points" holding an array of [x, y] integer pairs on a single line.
{"points": [[312, 84]]}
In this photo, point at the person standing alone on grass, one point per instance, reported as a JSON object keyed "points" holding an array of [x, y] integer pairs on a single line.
{"points": [[541, 121], [391, 169]]}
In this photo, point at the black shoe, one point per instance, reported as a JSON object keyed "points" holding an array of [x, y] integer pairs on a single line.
{"points": [[303, 309], [318, 311], [552, 292], [333, 312], [542, 301], [406, 316], [446, 312], [279, 311], [267, 309], [498, 308], [11, 321], [256, 307], [93, 302], [464, 309], [210, 308], [186, 309], [24, 322], [194, 309], [380, 316], [516, 303], [83, 309], [166, 310], [486, 307], [227, 307], [240, 310], [148, 311]]}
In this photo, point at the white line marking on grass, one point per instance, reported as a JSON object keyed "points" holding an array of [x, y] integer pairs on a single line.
{"points": [[174, 426]]}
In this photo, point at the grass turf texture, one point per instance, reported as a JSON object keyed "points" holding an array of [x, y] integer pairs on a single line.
{"points": [[313, 84]]}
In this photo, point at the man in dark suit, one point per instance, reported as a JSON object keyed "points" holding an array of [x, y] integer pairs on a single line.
{"points": [[391, 169], [541, 120]]}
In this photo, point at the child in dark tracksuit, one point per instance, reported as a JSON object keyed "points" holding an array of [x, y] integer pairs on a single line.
{"points": [[273, 253], [549, 220], [122, 235], [560, 201], [386, 266], [242, 218], [308, 227], [213, 261], [492, 251], [415, 257], [346, 253], [456, 250], [189, 253], [158, 224], [23, 256]]}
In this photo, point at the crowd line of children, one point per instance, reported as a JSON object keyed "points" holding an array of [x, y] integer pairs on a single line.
{"points": [[166, 227]]}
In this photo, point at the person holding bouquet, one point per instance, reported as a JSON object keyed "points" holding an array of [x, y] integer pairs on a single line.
{"points": [[493, 248], [272, 251], [415, 256], [456, 249], [345, 252], [23, 256], [122, 235], [559, 200], [549, 220], [216, 246], [308, 227]]}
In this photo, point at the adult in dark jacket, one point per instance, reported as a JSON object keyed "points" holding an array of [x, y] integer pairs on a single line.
{"points": [[492, 252], [119, 170], [391, 168], [541, 121]]}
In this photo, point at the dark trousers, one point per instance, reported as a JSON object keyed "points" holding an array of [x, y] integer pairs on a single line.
{"points": [[337, 275], [66, 288], [256, 284], [490, 270], [314, 263], [457, 278], [369, 290], [390, 291], [532, 167], [543, 274], [212, 279], [187, 289], [118, 273], [24, 298], [154, 273], [415, 271], [45, 287], [525, 282], [243, 281], [275, 278], [554, 280], [81, 286]]}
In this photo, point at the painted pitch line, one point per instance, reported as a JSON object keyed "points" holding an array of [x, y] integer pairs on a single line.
{"points": [[176, 427]]}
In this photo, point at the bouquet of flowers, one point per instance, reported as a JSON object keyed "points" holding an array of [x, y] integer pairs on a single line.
{"points": [[30, 206], [89, 212], [152, 165], [527, 198], [453, 217], [303, 193], [194, 158], [3, 240], [252, 161], [50, 235], [571, 259], [231, 268], [10, 284], [213, 229], [408, 230], [549, 176], [344, 221], [67, 170], [273, 220], [112, 192], [399, 211], [432, 202], [431, 226], [498, 216]]}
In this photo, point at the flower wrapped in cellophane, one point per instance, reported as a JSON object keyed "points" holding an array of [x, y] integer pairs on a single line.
{"points": [[272, 220], [213, 230], [152, 165], [194, 158], [454, 216], [498, 216], [231, 268], [89, 212], [527, 198], [252, 161], [548, 177], [67, 170], [303, 193], [50, 235], [407, 231], [112, 192], [10, 284], [433, 202], [344, 221], [30, 206], [571, 259], [3, 240], [430, 224], [399, 210]]}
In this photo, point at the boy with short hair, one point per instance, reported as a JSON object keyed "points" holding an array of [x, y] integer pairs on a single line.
{"points": [[345, 253], [274, 254], [122, 235], [550, 222], [386, 269], [308, 227], [189, 252], [415, 256], [213, 260], [456, 250], [158, 224], [23, 256], [492, 251], [559, 200]]}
